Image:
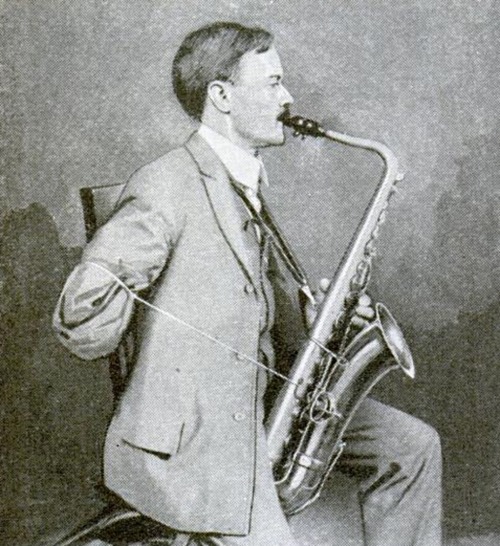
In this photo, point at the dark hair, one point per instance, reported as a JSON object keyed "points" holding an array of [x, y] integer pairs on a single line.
{"points": [[212, 53]]}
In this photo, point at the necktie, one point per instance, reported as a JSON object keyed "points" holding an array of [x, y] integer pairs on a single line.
{"points": [[266, 227], [253, 199]]}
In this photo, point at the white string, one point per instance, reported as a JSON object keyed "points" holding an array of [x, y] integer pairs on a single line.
{"points": [[190, 326], [322, 347]]}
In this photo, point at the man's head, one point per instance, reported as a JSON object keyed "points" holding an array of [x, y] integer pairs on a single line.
{"points": [[230, 77]]}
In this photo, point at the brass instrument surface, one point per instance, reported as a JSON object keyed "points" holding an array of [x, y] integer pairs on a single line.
{"points": [[332, 384]]}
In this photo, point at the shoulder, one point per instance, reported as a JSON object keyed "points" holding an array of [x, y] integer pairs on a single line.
{"points": [[165, 175]]}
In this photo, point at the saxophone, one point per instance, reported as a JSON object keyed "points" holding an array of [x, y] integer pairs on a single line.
{"points": [[335, 369]]}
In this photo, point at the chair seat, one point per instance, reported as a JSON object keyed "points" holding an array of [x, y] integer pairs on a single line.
{"points": [[104, 521]]}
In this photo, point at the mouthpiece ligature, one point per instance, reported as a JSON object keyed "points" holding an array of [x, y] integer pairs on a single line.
{"points": [[302, 126]]}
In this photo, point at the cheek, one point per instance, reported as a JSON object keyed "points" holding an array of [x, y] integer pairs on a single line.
{"points": [[255, 105]]}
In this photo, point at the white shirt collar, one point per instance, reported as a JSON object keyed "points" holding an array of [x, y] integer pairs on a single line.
{"points": [[243, 167]]}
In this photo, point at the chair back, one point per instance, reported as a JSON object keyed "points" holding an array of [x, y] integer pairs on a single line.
{"points": [[98, 204]]}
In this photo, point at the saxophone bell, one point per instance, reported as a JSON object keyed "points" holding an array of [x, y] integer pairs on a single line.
{"points": [[372, 354]]}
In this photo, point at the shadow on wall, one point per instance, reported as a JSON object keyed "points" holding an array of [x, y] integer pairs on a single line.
{"points": [[56, 407]]}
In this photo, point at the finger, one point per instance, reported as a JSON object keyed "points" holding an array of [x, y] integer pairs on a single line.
{"points": [[324, 284], [364, 300], [365, 312], [358, 322]]}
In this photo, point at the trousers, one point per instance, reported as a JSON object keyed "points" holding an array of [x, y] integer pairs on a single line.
{"points": [[396, 461]]}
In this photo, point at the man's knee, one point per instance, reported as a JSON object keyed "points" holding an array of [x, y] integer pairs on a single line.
{"points": [[409, 441], [432, 450], [423, 445], [427, 438], [431, 439], [411, 435]]}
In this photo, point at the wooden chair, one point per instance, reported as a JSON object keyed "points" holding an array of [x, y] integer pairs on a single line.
{"points": [[117, 518]]}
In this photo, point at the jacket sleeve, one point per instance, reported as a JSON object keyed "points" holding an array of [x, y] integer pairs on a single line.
{"points": [[94, 309]]}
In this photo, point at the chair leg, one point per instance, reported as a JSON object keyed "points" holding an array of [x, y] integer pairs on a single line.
{"points": [[102, 521]]}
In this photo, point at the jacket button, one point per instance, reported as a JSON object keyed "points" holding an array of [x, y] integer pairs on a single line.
{"points": [[249, 288], [240, 357], [239, 416]]}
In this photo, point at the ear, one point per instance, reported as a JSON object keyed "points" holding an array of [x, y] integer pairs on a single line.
{"points": [[219, 94]]}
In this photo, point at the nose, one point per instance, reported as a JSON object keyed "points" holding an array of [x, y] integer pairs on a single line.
{"points": [[286, 98]]}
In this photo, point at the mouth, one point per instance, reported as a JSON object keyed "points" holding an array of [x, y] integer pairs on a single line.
{"points": [[284, 115]]}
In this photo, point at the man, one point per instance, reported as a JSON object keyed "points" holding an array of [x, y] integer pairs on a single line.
{"points": [[187, 445]]}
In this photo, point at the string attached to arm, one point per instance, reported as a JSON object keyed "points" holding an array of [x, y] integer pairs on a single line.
{"points": [[191, 326]]}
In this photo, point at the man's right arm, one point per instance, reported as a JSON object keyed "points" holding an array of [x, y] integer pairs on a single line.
{"points": [[94, 308]]}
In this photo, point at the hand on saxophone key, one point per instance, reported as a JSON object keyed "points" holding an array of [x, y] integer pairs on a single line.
{"points": [[363, 312]]}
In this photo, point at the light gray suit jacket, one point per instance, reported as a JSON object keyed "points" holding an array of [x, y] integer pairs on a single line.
{"points": [[181, 445]]}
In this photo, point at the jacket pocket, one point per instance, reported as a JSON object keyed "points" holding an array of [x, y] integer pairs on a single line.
{"points": [[162, 456], [162, 438]]}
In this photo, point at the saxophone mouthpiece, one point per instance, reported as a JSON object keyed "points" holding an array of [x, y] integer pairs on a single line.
{"points": [[301, 126]]}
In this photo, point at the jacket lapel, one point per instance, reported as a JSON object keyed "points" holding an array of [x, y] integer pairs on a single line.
{"points": [[221, 197]]}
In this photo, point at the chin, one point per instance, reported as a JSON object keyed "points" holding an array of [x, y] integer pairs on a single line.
{"points": [[278, 139], [281, 141]]}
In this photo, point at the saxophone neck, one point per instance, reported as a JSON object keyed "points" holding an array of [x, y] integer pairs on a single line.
{"points": [[302, 126], [391, 163]]}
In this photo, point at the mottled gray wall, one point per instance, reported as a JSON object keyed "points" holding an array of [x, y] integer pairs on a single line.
{"points": [[86, 99]]}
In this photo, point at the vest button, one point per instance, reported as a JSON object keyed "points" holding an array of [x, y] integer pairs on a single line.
{"points": [[240, 357], [239, 416], [249, 288]]}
